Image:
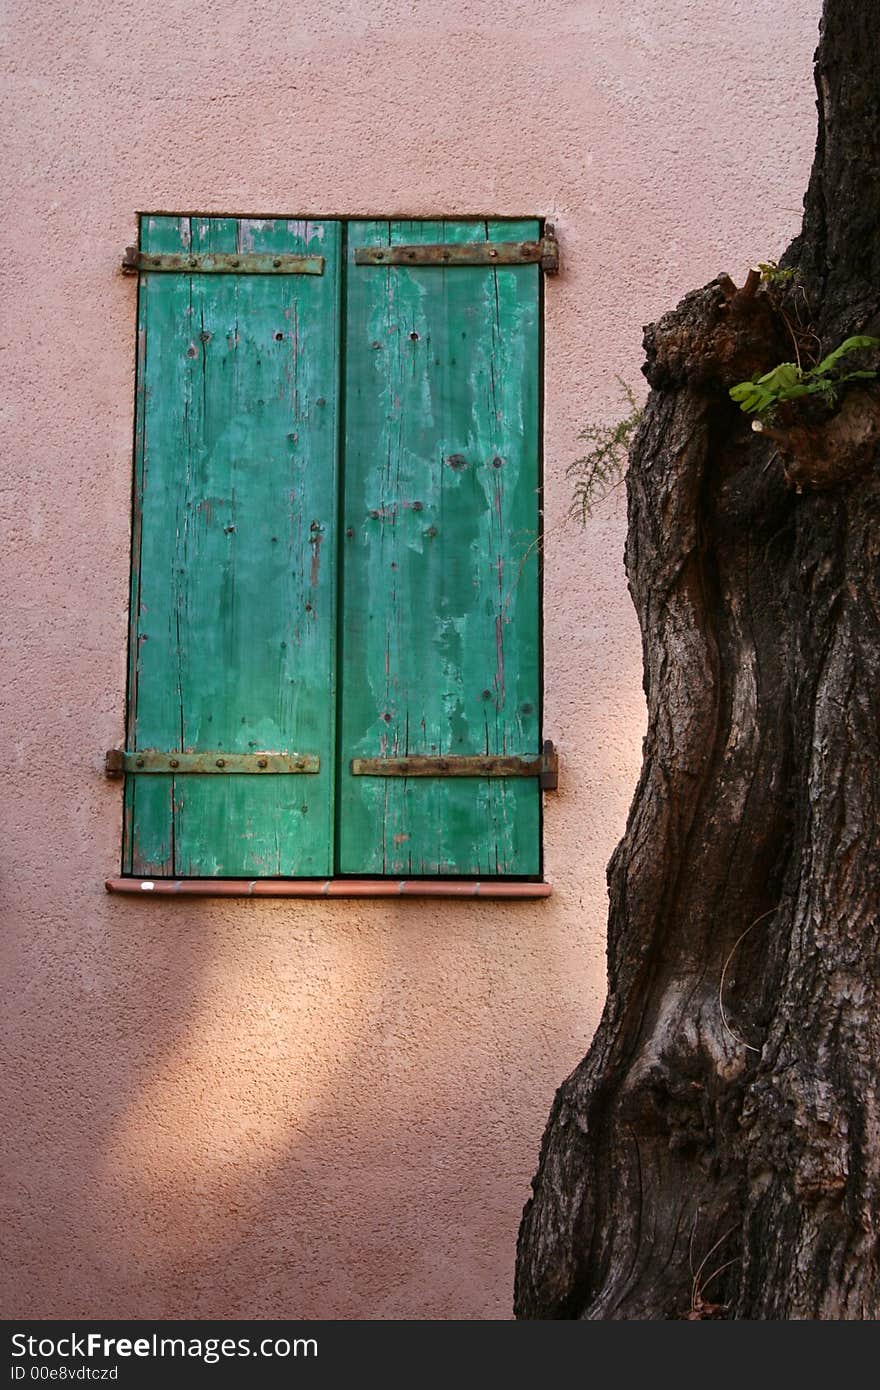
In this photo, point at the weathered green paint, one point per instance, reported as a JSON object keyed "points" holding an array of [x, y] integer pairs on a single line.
{"points": [[440, 635], [234, 552]]}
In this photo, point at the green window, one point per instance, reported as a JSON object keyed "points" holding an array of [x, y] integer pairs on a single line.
{"points": [[335, 623]]}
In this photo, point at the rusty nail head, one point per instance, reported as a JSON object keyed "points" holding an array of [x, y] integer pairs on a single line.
{"points": [[221, 762], [262, 762], [174, 762], [277, 261], [300, 762], [139, 762]]}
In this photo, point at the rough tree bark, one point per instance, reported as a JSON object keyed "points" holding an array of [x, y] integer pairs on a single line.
{"points": [[717, 1153]]}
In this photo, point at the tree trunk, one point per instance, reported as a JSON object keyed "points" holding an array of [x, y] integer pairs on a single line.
{"points": [[717, 1153]]}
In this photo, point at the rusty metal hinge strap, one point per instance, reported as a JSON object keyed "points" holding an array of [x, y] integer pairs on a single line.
{"points": [[233, 263], [480, 253], [545, 766], [118, 762]]}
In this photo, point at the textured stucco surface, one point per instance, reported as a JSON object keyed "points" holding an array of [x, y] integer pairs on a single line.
{"points": [[276, 1108]]}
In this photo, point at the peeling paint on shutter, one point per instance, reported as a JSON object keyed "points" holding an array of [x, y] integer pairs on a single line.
{"points": [[233, 605], [440, 609]]}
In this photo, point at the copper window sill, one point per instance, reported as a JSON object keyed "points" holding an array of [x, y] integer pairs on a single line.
{"points": [[328, 888]]}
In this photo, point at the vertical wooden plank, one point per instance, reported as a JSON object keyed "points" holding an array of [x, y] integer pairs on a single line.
{"points": [[163, 392], [440, 646], [240, 558]]}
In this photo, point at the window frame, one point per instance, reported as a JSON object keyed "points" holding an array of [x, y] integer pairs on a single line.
{"points": [[389, 883]]}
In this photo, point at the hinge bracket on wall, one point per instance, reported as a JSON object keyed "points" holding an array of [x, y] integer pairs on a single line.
{"points": [[485, 253], [233, 263], [118, 762], [545, 767]]}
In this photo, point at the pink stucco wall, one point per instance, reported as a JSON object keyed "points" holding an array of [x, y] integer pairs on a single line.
{"points": [[282, 1108]]}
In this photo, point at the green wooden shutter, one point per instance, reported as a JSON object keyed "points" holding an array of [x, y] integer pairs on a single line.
{"points": [[440, 609], [234, 552]]}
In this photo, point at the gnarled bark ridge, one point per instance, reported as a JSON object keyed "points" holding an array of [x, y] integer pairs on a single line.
{"points": [[717, 1153]]}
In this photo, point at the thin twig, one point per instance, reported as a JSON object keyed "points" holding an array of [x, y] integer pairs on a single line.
{"points": [[691, 1242], [711, 1251], [742, 1042], [719, 1270], [794, 338]]}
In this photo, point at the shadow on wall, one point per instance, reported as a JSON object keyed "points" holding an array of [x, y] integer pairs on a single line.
{"points": [[269, 1111], [238, 1108]]}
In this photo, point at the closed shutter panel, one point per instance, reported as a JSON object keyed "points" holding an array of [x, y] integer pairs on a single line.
{"points": [[440, 611], [234, 554]]}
